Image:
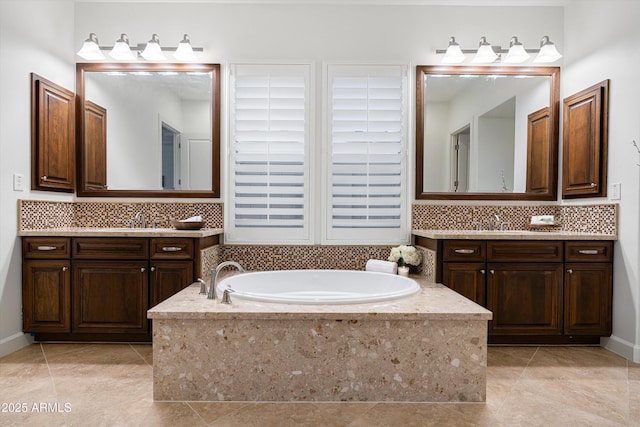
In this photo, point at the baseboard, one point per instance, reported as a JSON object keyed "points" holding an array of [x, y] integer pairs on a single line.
{"points": [[622, 347], [14, 342]]}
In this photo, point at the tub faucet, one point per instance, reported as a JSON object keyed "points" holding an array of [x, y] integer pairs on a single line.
{"points": [[214, 277]]}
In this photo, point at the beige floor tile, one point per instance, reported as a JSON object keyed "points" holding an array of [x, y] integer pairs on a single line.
{"points": [[566, 402], [634, 371], [294, 414], [634, 403], [145, 351], [414, 414], [576, 363], [211, 411], [508, 363]]}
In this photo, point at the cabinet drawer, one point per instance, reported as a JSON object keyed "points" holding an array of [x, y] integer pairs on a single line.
{"points": [[588, 251], [463, 250], [525, 251], [110, 248], [46, 247], [171, 248]]}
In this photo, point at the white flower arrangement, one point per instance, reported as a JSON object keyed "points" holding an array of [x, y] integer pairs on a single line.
{"points": [[405, 255]]}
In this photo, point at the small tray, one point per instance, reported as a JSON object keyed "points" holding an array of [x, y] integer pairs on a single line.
{"points": [[187, 225], [541, 227]]}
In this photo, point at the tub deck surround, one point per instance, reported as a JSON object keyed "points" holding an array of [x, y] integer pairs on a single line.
{"points": [[428, 347], [511, 235]]}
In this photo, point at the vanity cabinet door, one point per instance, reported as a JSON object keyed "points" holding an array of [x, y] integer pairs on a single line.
{"points": [[110, 296], [168, 278], [46, 295], [587, 301], [525, 298], [467, 279]]}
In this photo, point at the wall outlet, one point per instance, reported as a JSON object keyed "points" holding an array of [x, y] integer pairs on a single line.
{"points": [[616, 191], [18, 182]]}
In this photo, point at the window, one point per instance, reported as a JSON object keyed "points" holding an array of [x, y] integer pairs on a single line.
{"points": [[269, 159], [366, 155]]}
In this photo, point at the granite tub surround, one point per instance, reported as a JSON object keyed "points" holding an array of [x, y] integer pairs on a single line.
{"points": [[430, 347]]}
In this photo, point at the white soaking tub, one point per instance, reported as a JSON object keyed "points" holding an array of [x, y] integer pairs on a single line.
{"points": [[319, 286]]}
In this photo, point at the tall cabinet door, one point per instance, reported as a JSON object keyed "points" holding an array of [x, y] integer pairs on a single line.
{"points": [[46, 296], [52, 136], [95, 155], [110, 296], [525, 298]]}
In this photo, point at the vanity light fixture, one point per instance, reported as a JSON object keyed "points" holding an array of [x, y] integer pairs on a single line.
{"points": [[91, 48], [453, 54], [517, 53], [152, 51], [184, 51], [548, 51], [122, 50], [486, 53]]}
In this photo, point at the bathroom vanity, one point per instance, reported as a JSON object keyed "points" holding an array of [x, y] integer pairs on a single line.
{"points": [[542, 287], [97, 284]]}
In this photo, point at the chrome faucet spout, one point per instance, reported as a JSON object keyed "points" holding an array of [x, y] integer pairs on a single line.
{"points": [[140, 216], [212, 294]]}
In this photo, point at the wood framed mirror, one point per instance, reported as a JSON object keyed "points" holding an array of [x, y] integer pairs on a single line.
{"points": [[148, 130], [487, 132]]}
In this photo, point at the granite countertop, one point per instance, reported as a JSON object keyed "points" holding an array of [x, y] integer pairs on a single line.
{"points": [[433, 302], [511, 235], [119, 232]]}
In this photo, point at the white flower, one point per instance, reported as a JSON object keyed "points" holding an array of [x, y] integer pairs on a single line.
{"points": [[405, 255]]}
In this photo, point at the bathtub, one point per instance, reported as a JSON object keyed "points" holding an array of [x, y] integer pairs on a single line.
{"points": [[319, 286]]}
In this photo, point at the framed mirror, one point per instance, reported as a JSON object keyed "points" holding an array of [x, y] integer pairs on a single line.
{"points": [[487, 132], [148, 130]]}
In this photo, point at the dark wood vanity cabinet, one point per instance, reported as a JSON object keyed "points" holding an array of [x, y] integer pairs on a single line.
{"points": [[46, 285], [100, 288], [538, 291]]}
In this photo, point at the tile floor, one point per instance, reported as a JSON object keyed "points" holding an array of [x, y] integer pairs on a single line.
{"points": [[111, 385]]}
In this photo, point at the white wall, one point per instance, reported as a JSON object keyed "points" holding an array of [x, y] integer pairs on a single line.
{"points": [[603, 42], [35, 36]]}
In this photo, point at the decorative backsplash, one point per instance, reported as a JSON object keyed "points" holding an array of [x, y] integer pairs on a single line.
{"points": [[600, 218], [36, 214]]}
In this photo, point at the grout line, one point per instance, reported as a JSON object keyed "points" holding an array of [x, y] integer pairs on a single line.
{"points": [[141, 356], [516, 383]]}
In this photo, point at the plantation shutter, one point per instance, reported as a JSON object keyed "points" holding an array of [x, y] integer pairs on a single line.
{"points": [[368, 132], [269, 151]]}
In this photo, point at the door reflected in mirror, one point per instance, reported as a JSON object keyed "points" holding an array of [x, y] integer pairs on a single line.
{"points": [[160, 128], [473, 133]]}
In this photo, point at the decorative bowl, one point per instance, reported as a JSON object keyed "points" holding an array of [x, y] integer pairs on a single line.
{"points": [[187, 225]]}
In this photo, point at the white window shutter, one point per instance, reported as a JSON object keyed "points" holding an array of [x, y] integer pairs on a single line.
{"points": [[367, 131], [270, 142]]}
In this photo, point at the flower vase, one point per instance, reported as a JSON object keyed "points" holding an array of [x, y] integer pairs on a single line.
{"points": [[403, 271]]}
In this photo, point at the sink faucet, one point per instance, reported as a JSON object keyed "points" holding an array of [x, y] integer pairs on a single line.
{"points": [[140, 216], [214, 277]]}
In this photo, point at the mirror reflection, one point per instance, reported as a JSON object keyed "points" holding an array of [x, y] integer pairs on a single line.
{"points": [[486, 132], [149, 131]]}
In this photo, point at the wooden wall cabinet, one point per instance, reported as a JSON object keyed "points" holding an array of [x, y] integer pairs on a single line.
{"points": [[95, 156], [585, 141], [542, 154], [52, 136], [540, 292]]}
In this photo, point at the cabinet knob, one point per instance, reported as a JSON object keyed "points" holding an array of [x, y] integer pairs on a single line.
{"points": [[482, 271], [153, 269], [142, 270], [593, 184], [492, 271], [44, 178], [570, 271], [64, 268]]}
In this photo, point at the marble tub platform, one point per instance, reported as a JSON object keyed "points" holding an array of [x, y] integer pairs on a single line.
{"points": [[430, 347]]}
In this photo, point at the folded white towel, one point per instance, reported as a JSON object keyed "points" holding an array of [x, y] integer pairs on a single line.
{"points": [[381, 266], [197, 218]]}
